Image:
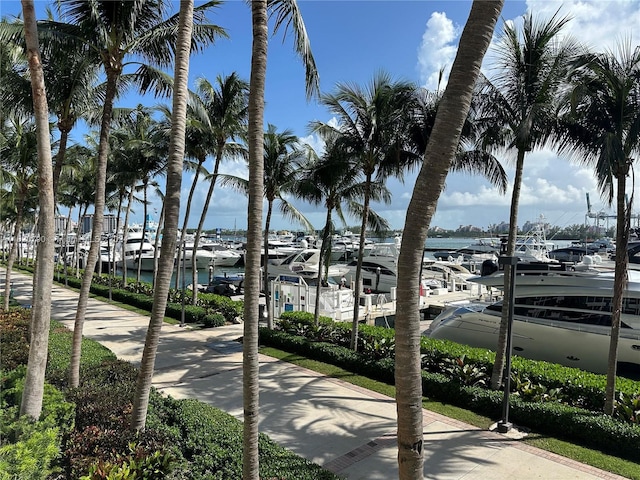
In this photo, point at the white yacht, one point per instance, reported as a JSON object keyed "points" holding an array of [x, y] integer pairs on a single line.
{"points": [[306, 263], [560, 316], [478, 251], [222, 255], [379, 267], [216, 254], [137, 248]]}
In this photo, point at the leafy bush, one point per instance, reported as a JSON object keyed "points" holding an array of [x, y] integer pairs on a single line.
{"points": [[627, 407], [31, 457], [14, 327], [213, 320], [29, 447], [58, 360], [211, 443]]}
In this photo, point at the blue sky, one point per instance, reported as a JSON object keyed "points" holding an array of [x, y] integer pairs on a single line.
{"points": [[410, 40]]}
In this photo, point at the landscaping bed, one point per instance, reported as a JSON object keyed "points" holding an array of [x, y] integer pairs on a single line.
{"points": [[83, 432]]}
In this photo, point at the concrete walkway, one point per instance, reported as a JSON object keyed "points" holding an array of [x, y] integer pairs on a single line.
{"points": [[346, 429]]}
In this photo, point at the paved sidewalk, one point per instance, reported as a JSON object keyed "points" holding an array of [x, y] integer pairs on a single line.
{"points": [[346, 429]]}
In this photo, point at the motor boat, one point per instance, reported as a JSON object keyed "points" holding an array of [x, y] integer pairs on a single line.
{"points": [[441, 274], [137, 249], [572, 253], [479, 250], [562, 314], [379, 268], [214, 254], [306, 264]]}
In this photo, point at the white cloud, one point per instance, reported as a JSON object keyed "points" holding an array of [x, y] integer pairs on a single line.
{"points": [[598, 24], [553, 186], [437, 50]]}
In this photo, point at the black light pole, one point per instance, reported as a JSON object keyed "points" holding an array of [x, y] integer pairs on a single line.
{"points": [[184, 286], [504, 425], [110, 273]]}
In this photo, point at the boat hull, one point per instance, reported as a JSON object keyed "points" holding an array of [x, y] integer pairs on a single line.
{"points": [[585, 348]]}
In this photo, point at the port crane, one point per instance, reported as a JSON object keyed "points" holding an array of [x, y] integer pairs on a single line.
{"points": [[602, 217]]}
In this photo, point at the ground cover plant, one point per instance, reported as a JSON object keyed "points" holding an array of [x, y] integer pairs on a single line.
{"points": [[84, 433]]}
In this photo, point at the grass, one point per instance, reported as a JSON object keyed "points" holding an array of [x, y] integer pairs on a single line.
{"points": [[584, 455]]}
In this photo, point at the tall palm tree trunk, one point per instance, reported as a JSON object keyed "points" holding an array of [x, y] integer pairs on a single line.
{"points": [[326, 238], [187, 214], [13, 252], [156, 245], [441, 148], [33, 392], [265, 267], [358, 282], [82, 211], [144, 232], [112, 252], [96, 230], [250, 365], [623, 221], [203, 216], [62, 150], [172, 207], [501, 348], [65, 248], [125, 235]]}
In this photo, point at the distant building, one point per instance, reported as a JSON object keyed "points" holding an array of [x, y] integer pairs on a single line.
{"points": [[60, 224], [108, 224], [468, 229]]}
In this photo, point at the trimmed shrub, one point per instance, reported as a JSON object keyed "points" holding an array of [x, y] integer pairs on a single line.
{"points": [[213, 320], [29, 447], [14, 327]]}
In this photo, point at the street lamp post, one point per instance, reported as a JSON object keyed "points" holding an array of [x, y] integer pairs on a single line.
{"points": [[184, 286], [504, 425]]}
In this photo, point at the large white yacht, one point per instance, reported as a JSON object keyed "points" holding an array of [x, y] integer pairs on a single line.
{"points": [[137, 248], [560, 315], [379, 267]]}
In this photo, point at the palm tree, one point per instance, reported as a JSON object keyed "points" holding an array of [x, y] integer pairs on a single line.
{"points": [[33, 393], [145, 146], [471, 157], [518, 113], [196, 147], [112, 31], [441, 150], [332, 180], [172, 206], [283, 158], [19, 159], [71, 81], [255, 142], [287, 13], [371, 123], [602, 130], [225, 121]]}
